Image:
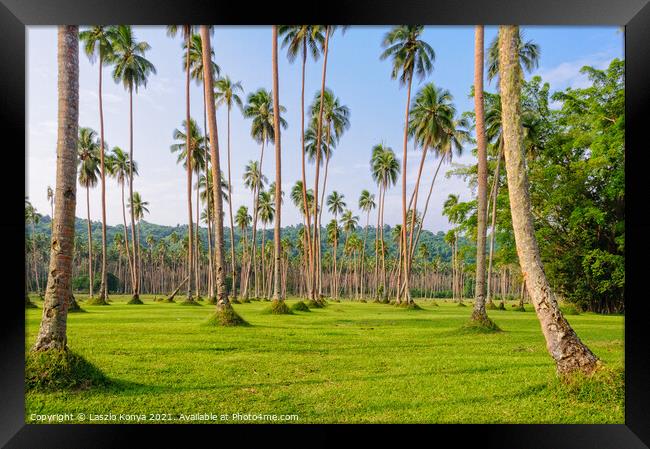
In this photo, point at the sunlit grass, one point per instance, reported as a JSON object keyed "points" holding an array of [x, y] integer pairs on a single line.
{"points": [[347, 362]]}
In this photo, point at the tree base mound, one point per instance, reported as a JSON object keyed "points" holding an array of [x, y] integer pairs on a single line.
{"points": [[604, 384], [213, 300], [190, 302], [300, 307], [245, 301], [199, 298], [30, 305], [227, 317], [74, 306], [167, 300], [462, 304], [135, 301], [409, 306], [502, 306], [313, 304], [480, 326], [491, 306], [235, 301], [362, 300], [98, 301], [435, 304], [280, 308], [519, 308], [60, 370]]}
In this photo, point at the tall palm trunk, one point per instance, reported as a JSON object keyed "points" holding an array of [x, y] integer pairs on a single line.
{"points": [[103, 287], [479, 313], [319, 132], [197, 251], [426, 207], [58, 295], [363, 252], [126, 238], [405, 260], [495, 191], [278, 169], [222, 292], [383, 243], [188, 150], [232, 232], [90, 246], [563, 344], [136, 273], [308, 252]]}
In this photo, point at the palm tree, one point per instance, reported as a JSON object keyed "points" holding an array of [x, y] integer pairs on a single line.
{"points": [[384, 168], [121, 167], [479, 314], [410, 56], [98, 42], [255, 181], [50, 198], [88, 171], [303, 39], [278, 171], [528, 53], [243, 221], [348, 223], [366, 204], [58, 294], [266, 213], [224, 313], [132, 69], [226, 93], [431, 116], [33, 218], [563, 344], [335, 205], [138, 207], [187, 31]]}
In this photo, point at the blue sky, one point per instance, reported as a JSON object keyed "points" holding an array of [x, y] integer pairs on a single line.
{"points": [[355, 74]]}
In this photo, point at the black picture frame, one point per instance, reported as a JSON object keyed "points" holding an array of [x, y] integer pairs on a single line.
{"points": [[15, 15]]}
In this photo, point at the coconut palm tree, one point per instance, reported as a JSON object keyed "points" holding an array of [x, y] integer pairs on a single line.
{"points": [[132, 69], [266, 211], [410, 56], [243, 221], [384, 168], [255, 181], [366, 204], [528, 53], [227, 93], [88, 148], [33, 218], [304, 39], [335, 205], [50, 199], [97, 42], [138, 207], [186, 32], [120, 167], [58, 295], [563, 344]]}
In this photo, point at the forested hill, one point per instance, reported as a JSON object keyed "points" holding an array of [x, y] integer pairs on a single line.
{"points": [[435, 243]]}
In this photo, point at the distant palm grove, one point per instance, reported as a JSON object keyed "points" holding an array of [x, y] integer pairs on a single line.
{"points": [[545, 224]]}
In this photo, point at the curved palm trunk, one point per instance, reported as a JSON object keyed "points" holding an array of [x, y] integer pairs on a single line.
{"points": [[405, 260], [103, 287], [479, 313], [222, 293], [414, 197], [278, 170], [126, 238], [316, 275], [90, 246], [495, 192], [426, 207], [58, 295], [136, 272], [304, 178], [563, 344]]}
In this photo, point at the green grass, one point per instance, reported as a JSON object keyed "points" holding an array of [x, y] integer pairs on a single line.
{"points": [[350, 362]]}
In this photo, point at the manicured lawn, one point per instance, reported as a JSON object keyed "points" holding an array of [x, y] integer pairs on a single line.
{"points": [[349, 362]]}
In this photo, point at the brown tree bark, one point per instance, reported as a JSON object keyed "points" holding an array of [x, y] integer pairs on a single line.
{"points": [[563, 344], [479, 313], [58, 295], [278, 170]]}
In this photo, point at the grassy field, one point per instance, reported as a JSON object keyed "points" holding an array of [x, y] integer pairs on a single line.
{"points": [[347, 363]]}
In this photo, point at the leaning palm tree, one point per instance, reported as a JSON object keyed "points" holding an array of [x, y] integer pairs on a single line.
{"points": [[410, 57], [225, 314], [335, 205], [303, 39], [98, 43], [366, 204], [563, 344], [120, 167], [132, 69], [52, 334], [227, 93], [88, 170], [187, 31]]}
